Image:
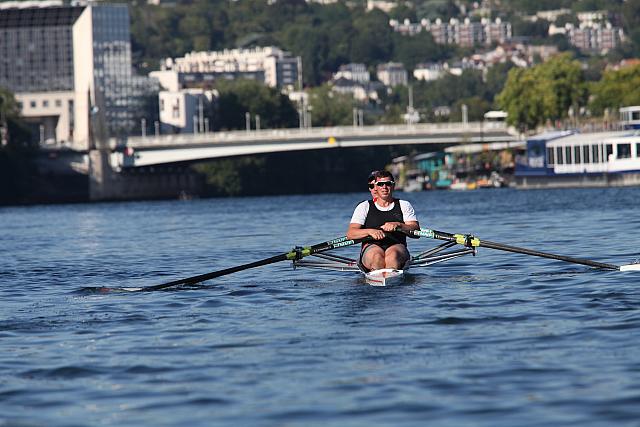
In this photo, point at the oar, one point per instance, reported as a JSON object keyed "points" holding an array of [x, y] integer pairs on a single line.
{"points": [[471, 241], [294, 254]]}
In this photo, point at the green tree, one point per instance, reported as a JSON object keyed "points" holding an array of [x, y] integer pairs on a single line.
{"points": [[247, 96], [617, 88], [544, 92], [372, 41], [564, 83], [413, 50], [329, 108], [520, 99]]}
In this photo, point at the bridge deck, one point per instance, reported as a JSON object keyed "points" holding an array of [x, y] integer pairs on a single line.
{"points": [[155, 150]]}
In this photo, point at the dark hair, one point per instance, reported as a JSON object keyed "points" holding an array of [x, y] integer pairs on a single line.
{"points": [[372, 176], [383, 174]]}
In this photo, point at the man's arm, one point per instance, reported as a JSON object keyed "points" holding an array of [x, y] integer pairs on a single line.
{"points": [[407, 226], [356, 231]]}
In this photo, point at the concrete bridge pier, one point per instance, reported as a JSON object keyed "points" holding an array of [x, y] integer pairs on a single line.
{"points": [[163, 182]]}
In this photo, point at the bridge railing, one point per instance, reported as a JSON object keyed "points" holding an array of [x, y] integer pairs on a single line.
{"points": [[307, 133]]}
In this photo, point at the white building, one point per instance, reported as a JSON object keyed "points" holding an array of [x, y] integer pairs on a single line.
{"points": [[354, 72], [384, 5], [184, 111], [392, 74], [271, 65], [61, 61], [429, 72], [363, 92], [463, 33]]}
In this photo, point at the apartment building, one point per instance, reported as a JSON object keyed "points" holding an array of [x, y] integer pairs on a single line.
{"points": [[464, 33], [271, 65]]}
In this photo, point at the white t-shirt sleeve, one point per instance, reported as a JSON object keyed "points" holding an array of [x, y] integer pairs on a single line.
{"points": [[408, 213], [360, 214]]}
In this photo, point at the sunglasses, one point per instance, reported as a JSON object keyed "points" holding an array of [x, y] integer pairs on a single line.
{"points": [[382, 184]]}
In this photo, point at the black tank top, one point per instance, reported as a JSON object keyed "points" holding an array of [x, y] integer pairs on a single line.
{"points": [[376, 218]]}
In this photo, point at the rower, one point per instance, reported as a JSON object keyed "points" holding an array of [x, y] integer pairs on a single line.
{"points": [[379, 219]]}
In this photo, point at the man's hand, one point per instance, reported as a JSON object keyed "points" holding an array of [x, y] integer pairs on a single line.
{"points": [[376, 234], [391, 226]]}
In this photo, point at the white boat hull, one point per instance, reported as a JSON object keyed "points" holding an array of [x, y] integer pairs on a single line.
{"points": [[384, 277]]}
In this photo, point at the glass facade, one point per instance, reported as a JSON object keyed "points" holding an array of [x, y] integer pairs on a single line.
{"points": [[112, 65], [36, 52]]}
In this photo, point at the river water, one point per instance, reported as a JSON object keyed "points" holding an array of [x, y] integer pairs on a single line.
{"points": [[494, 340]]}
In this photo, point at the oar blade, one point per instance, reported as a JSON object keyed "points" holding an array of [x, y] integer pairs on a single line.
{"points": [[630, 267]]}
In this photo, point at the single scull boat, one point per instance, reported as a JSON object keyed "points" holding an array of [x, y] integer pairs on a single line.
{"points": [[316, 256]]}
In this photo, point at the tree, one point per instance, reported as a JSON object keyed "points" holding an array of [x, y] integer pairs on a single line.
{"points": [[413, 50], [329, 108], [247, 96], [564, 85], [617, 88], [8, 113], [372, 41], [544, 92], [520, 99]]}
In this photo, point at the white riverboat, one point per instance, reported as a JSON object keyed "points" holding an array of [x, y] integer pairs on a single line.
{"points": [[572, 159]]}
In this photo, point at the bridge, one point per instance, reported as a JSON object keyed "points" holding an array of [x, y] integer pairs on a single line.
{"points": [[137, 152]]}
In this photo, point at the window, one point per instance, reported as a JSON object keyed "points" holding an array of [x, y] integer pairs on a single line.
{"points": [[608, 152], [585, 154], [595, 153], [45, 103], [638, 150], [559, 155], [58, 103], [551, 158], [567, 155], [624, 151], [32, 104], [576, 154]]}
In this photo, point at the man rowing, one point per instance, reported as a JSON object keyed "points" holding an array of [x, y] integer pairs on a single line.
{"points": [[375, 217]]}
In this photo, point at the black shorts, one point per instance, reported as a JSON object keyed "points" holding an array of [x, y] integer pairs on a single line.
{"points": [[383, 245]]}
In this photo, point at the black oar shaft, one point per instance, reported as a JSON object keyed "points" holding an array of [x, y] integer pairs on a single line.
{"points": [[291, 255], [525, 251], [202, 277], [468, 240]]}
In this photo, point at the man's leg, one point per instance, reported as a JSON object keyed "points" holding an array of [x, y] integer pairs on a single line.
{"points": [[396, 256], [373, 257]]}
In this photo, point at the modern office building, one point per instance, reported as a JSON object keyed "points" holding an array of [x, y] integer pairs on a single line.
{"points": [[68, 64]]}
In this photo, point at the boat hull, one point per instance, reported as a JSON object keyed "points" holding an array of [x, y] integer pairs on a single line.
{"points": [[384, 277]]}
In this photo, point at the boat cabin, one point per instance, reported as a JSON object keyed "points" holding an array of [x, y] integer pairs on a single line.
{"points": [[630, 117]]}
